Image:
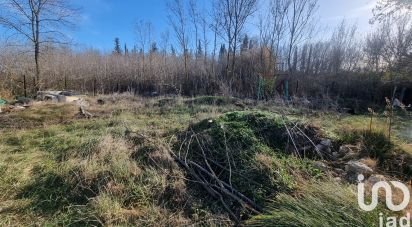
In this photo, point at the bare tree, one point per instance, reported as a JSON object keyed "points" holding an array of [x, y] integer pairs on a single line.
{"points": [[233, 16], [299, 18], [272, 30], [398, 40], [195, 19], [177, 18], [389, 8], [38, 22], [373, 49], [276, 24], [144, 32], [342, 47]]}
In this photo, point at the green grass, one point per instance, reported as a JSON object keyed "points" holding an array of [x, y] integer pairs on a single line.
{"points": [[58, 170], [318, 204]]}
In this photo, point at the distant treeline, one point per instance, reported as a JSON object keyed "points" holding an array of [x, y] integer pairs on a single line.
{"points": [[212, 55]]}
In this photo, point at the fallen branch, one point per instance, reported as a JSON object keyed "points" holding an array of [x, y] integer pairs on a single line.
{"points": [[238, 196], [85, 113]]}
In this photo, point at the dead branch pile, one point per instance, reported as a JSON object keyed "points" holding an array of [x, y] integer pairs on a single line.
{"points": [[221, 156]]}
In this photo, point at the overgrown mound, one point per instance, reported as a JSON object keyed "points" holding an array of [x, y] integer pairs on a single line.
{"points": [[241, 158]]}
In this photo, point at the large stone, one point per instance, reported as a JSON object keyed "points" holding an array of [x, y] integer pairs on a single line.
{"points": [[325, 146], [347, 153], [326, 143], [356, 168]]}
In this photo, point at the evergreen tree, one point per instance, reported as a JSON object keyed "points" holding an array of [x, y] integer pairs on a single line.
{"points": [[153, 48], [222, 52], [117, 48], [199, 51], [173, 50], [245, 44], [126, 51], [134, 50]]}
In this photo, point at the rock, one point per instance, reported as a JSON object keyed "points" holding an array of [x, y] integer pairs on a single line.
{"points": [[326, 142], [350, 156], [343, 150], [339, 172], [325, 146], [321, 166], [337, 179], [376, 178], [355, 168], [371, 163], [347, 153]]}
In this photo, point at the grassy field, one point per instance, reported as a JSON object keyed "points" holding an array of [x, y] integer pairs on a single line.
{"points": [[118, 169]]}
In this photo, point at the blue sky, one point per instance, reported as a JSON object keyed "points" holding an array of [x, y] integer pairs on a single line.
{"points": [[103, 20]]}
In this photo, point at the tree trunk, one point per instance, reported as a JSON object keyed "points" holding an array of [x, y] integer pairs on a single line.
{"points": [[37, 52], [24, 85]]}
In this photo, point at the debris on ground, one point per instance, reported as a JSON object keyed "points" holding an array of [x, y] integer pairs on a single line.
{"points": [[58, 96], [84, 113], [3, 102], [24, 101]]}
